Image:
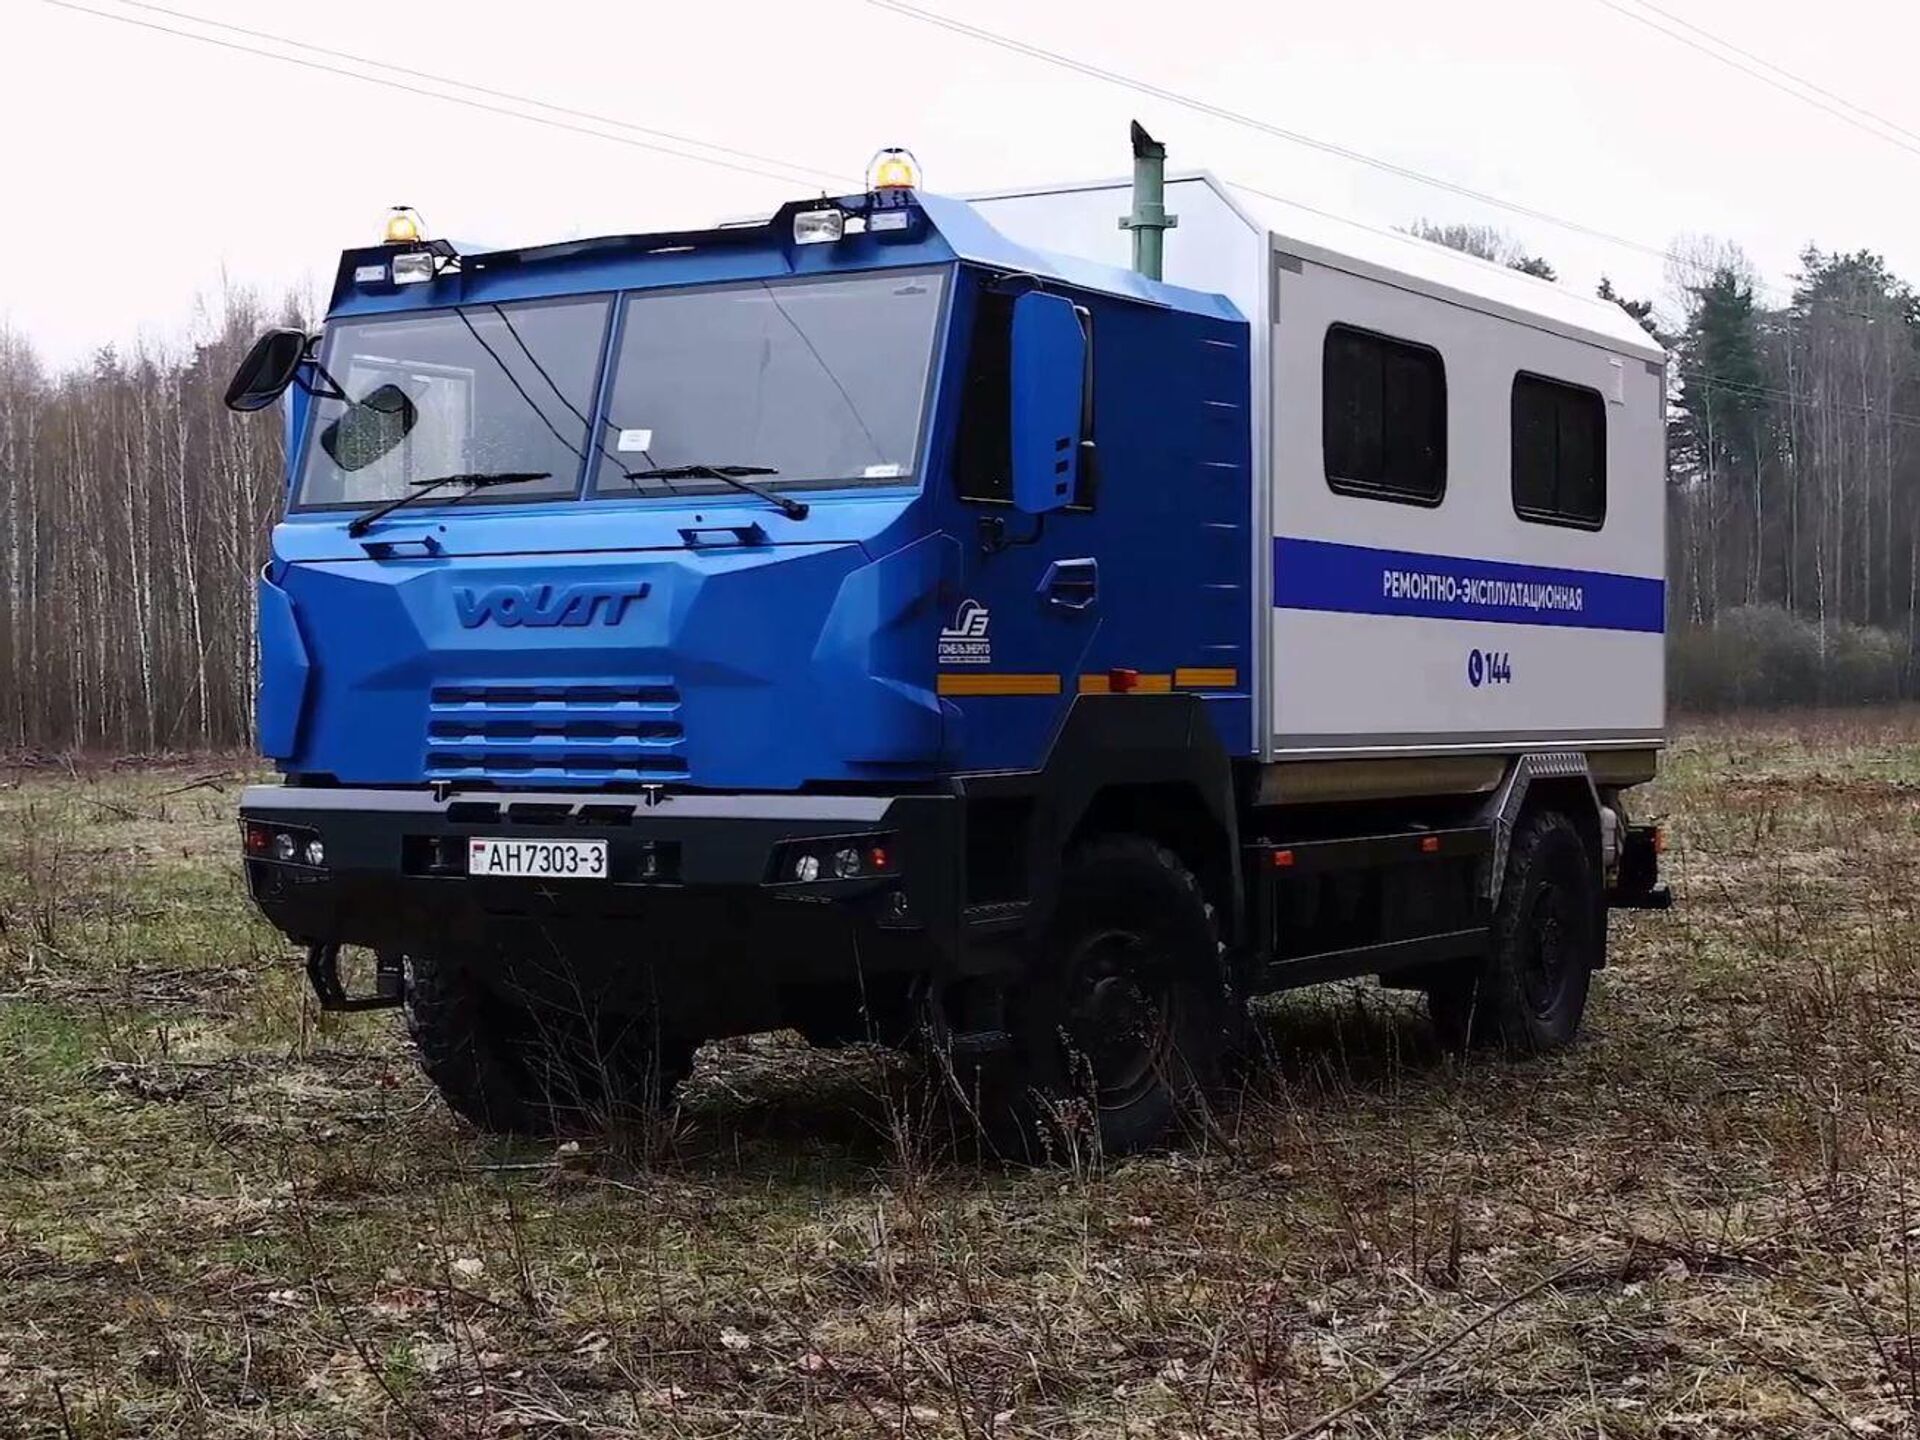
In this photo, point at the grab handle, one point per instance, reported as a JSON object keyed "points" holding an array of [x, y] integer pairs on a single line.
{"points": [[390, 547], [704, 537]]}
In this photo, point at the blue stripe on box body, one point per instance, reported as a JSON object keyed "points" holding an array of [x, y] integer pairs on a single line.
{"points": [[1360, 580]]}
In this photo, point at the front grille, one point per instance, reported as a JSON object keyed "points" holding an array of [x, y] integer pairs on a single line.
{"points": [[522, 733]]}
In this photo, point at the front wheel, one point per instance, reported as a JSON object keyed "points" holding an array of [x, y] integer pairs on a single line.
{"points": [[1119, 1029], [533, 1067], [1548, 933]]}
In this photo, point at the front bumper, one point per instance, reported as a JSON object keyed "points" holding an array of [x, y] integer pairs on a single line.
{"points": [[690, 904]]}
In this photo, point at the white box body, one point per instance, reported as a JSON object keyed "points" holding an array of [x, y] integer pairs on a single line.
{"points": [[1370, 614]]}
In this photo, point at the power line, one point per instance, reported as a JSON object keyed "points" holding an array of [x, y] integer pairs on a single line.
{"points": [[471, 104], [1253, 122], [1901, 418], [1878, 127], [478, 89], [897, 6], [1780, 70], [1873, 115]]}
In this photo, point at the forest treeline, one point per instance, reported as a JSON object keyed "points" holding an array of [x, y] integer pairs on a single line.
{"points": [[134, 508], [1793, 473], [134, 511]]}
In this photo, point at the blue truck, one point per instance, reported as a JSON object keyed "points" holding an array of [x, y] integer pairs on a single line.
{"points": [[896, 621]]}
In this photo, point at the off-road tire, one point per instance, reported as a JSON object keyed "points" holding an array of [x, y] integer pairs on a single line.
{"points": [[1131, 911], [532, 1069], [1549, 935]]}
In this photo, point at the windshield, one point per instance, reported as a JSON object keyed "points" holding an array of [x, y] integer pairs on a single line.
{"points": [[476, 389], [823, 381]]}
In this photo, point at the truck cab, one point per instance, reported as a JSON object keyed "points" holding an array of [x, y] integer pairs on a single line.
{"points": [[851, 621]]}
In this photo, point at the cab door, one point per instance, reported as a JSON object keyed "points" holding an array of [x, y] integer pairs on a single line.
{"points": [[1028, 605]]}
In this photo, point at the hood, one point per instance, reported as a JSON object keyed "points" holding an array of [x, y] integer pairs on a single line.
{"points": [[718, 662]]}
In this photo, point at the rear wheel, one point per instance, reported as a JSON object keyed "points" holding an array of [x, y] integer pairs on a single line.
{"points": [[1119, 1031], [1548, 933], [534, 1067]]}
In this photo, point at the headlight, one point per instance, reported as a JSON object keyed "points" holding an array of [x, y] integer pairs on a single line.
{"points": [[290, 845], [413, 267], [818, 227], [833, 857]]}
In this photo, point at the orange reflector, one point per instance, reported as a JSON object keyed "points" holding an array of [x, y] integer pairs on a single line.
{"points": [[1282, 859], [1430, 844], [1121, 681], [1659, 840]]}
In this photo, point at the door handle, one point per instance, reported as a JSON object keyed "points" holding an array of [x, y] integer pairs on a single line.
{"points": [[1071, 584]]}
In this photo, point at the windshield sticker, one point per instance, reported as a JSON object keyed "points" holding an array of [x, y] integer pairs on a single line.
{"points": [[881, 472], [640, 440]]}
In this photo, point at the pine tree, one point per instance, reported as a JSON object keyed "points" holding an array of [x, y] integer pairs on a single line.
{"points": [[1640, 310]]}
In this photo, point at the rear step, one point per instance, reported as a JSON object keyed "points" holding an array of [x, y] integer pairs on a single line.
{"points": [[1658, 898]]}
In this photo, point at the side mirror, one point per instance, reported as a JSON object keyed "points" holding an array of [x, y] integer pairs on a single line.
{"points": [[267, 371], [1049, 361], [369, 428]]}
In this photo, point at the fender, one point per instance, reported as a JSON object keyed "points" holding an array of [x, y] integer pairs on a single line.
{"points": [[1112, 744]]}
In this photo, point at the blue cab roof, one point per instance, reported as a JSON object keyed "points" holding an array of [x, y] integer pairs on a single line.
{"points": [[940, 230]]}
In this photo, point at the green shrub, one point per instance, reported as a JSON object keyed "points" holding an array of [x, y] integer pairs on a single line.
{"points": [[1763, 657]]}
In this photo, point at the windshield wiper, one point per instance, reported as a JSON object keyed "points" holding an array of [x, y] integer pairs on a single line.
{"points": [[473, 480], [726, 475]]}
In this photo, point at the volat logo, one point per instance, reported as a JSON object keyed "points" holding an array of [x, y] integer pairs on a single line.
{"points": [[542, 606]]}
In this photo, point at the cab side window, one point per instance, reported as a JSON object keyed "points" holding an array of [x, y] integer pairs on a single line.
{"points": [[982, 455]]}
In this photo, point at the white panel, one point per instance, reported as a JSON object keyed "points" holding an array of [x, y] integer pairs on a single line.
{"points": [[1378, 681], [1367, 679]]}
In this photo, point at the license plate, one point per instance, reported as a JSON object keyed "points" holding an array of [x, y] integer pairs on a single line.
{"points": [[539, 859]]}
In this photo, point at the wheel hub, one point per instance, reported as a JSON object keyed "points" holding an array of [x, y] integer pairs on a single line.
{"points": [[1120, 1025], [1550, 951]]}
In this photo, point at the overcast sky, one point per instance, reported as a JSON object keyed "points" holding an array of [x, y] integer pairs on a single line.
{"points": [[141, 167]]}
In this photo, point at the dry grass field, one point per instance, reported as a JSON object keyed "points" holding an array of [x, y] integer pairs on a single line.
{"points": [[222, 1215]]}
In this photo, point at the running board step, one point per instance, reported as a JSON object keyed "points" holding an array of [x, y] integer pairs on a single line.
{"points": [[1469, 944], [988, 919], [979, 1042], [1290, 859]]}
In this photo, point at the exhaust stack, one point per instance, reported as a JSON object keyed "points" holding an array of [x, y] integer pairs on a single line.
{"points": [[1149, 220]]}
